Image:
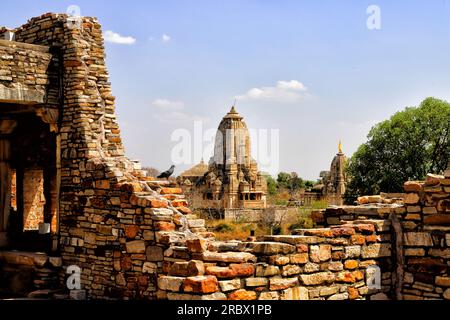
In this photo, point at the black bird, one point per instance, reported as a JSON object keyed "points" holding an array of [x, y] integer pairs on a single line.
{"points": [[167, 174]]}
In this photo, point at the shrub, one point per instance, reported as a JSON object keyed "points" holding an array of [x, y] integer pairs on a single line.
{"points": [[223, 227]]}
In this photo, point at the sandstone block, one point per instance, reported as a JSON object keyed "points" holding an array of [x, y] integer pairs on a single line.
{"points": [[229, 285], [201, 284], [242, 294], [290, 269], [154, 253], [352, 251], [339, 296], [320, 253], [376, 250], [412, 186], [149, 267], [270, 248], [268, 295], [415, 252], [411, 198], [266, 270], [137, 246], [282, 283], [447, 294], [299, 258], [237, 257], [433, 179], [295, 293], [311, 267], [317, 278], [417, 239], [351, 264], [197, 245], [256, 282], [170, 283]]}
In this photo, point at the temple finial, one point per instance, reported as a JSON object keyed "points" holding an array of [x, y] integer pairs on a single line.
{"points": [[340, 146]]}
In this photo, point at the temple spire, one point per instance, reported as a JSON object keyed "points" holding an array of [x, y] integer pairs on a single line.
{"points": [[340, 146]]}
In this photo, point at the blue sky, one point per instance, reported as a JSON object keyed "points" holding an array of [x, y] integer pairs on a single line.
{"points": [[320, 74]]}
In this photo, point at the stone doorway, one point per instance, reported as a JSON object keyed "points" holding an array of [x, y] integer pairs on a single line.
{"points": [[29, 182]]}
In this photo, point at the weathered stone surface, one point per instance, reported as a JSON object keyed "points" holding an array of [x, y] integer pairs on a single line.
{"points": [[197, 245], [137, 246], [242, 294], [446, 294], [437, 219], [295, 293], [256, 282], [351, 264], [170, 283], [282, 283], [154, 253], [328, 291], [201, 284], [352, 251], [412, 186], [267, 271], [320, 253], [269, 295], [433, 179], [149, 267], [299, 258], [279, 260], [273, 248], [379, 296], [417, 239], [335, 266], [376, 250], [317, 278], [238, 257], [415, 252], [444, 253], [290, 269], [411, 198], [234, 270], [339, 296], [229, 285]]}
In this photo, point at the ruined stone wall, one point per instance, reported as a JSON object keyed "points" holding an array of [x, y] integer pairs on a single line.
{"points": [[24, 72], [329, 263], [422, 234], [108, 214]]}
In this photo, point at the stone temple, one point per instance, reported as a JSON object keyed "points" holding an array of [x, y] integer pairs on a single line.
{"points": [[231, 180], [335, 180]]}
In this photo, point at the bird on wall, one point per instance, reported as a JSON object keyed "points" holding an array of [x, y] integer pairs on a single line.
{"points": [[167, 174]]}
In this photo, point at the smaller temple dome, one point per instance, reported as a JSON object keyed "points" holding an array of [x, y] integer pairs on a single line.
{"points": [[196, 171]]}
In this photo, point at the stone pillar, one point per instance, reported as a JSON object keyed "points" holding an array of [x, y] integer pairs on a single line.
{"points": [[6, 128]]}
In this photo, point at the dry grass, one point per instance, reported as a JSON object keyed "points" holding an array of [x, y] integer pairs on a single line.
{"points": [[228, 230], [296, 217]]}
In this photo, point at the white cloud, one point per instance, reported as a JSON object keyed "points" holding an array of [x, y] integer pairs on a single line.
{"points": [[165, 38], [113, 37], [283, 91], [168, 104], [178, 118]]}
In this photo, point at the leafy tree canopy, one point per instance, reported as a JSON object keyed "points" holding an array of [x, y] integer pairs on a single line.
{"points": [[412, 143]]}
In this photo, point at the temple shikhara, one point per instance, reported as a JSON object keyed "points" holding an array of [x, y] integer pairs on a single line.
{"points": [[335, 180], [231, 180]]}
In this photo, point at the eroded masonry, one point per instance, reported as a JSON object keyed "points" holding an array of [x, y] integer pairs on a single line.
{"points": [[69, 197]]}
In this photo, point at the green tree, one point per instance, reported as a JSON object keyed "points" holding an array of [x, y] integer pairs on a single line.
{"points": [[284, 180], [412, 143], [271, 185], [296, 182]]}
